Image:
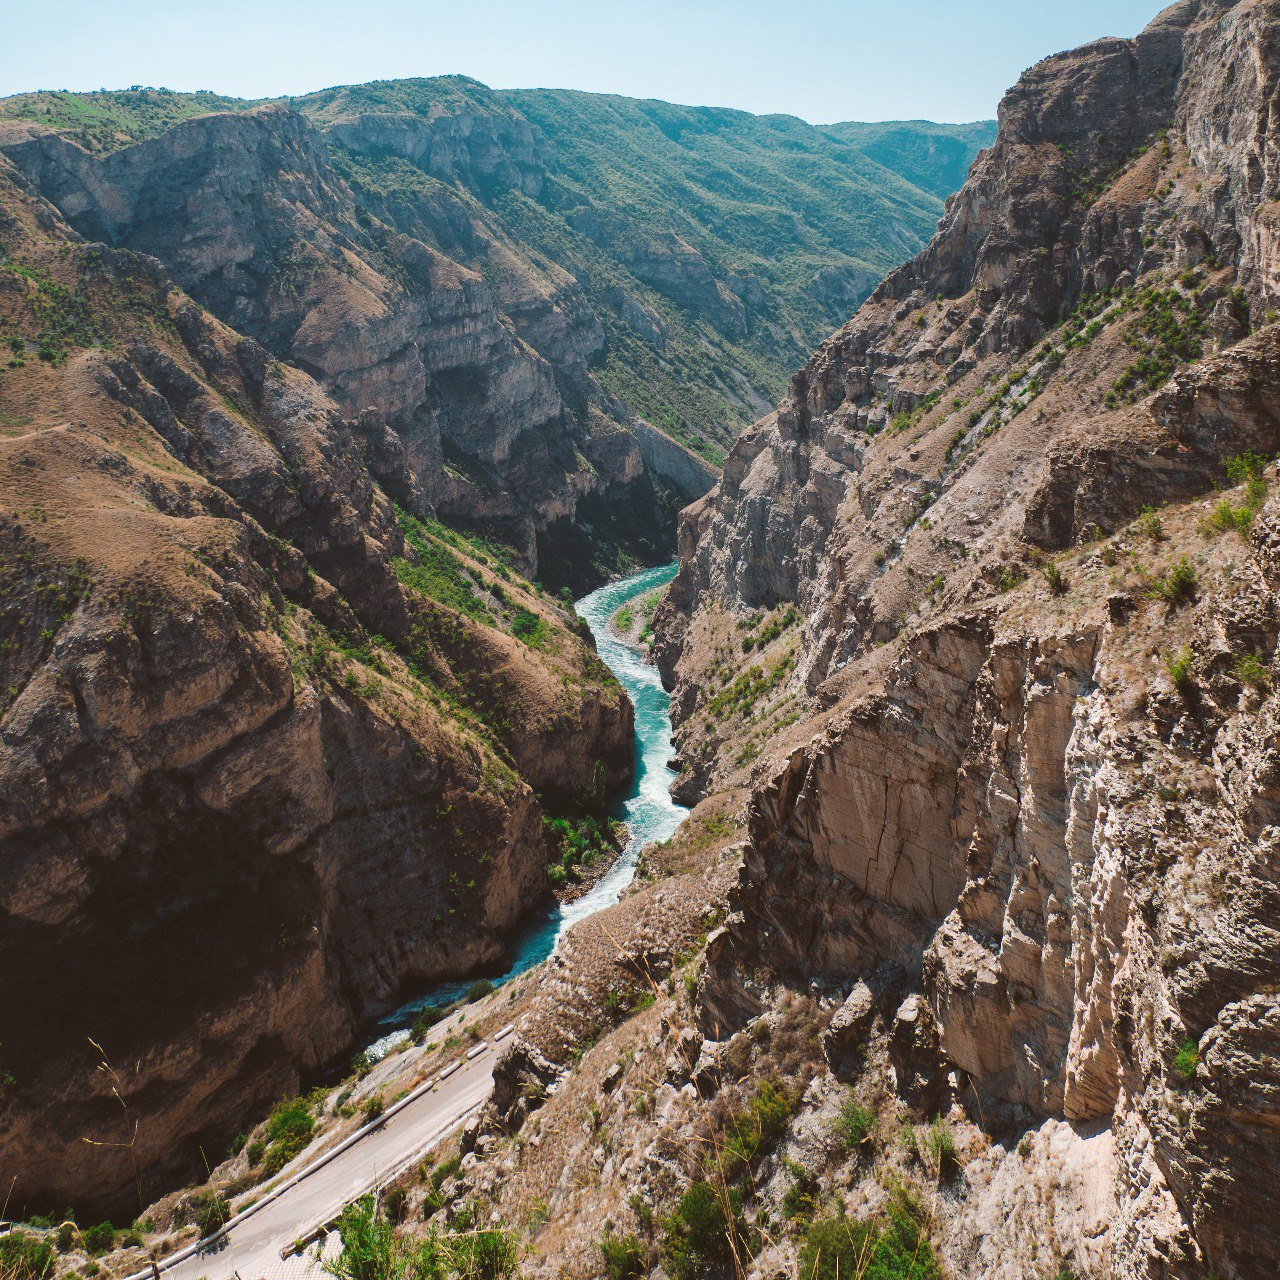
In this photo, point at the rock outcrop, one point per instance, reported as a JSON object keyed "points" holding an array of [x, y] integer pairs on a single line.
{"points": [[1032, 810], [269, 747]]}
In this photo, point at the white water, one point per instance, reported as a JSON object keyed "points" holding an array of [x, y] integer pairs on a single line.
{"points": [[647, 807]]}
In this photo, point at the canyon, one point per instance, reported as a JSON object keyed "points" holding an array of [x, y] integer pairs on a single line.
{"points": [[302, 452], [964, 961]]}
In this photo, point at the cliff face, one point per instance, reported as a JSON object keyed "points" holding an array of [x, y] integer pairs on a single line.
{"points": [[560, 341], [250, 218], [267, 756], [1028, 823]]}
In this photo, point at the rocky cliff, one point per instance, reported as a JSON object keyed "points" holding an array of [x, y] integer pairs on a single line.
{"points": [[1019, 514], [269, 744], [561, 341]]}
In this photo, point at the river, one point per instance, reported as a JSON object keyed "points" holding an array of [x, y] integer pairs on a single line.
{"points": [[646, 808]]}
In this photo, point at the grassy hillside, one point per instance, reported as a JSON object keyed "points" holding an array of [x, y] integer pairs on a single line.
{"points": [[935, 157], [714, 248]]}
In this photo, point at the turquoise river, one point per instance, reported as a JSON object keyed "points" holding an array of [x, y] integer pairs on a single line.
{"points": [[646, 808]]}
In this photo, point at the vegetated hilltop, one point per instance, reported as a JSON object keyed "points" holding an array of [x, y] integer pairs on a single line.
{"points": [[985, 617], [563, 304], [269, 744]]}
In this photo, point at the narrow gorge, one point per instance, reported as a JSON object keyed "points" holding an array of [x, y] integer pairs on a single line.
{"points": [[887, 888]]}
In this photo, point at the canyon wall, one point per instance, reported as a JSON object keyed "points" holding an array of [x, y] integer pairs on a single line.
{"points": [[270, 745], [1023, 505]]}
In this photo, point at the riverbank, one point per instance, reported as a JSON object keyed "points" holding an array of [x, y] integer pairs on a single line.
{"points": [[646, 809]]}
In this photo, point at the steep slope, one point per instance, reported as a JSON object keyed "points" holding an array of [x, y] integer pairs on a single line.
{"points": [[1026, 820], [935, 157], [269, 746], [633, 278]]}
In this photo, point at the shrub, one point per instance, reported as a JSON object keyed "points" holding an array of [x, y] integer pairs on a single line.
{"points": [[1150, 525], [484, 1255], [99, 1240], [480, 988], [372, 1107], [444, 1171], [426, 1019], [939, 1146], [854, 1125], [1251, 670], [255, 1151], [1010, 577], [68, 1237], [1186, 1060], [1227, 519], [1178, 585], [1178, 665], [1055, 578], [394, 1204], [1246, 467], [624, 1257], [704, 1234], [757, 1130], [369, 1249], [800, 1200], [25, 1257], [890, 1248], [530, 628], [209, 1210], [289, 1129]]}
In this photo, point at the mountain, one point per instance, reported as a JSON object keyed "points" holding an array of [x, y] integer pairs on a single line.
{"points": [[656, 270], [296, 400], [1003, 565]]}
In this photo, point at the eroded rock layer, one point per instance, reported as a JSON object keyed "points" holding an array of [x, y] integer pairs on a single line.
{"points": [[270, 744], [1029, 826]]}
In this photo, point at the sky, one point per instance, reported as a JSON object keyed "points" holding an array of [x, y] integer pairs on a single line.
{"points": [[822, 60]]}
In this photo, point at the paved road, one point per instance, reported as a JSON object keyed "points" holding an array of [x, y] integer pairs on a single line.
{"points": [[251, 1249]]}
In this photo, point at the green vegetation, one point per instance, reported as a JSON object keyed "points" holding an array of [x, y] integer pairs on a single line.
{"points": [[372, 1249], [1252, 671], [934, 1145], [753, 1133], [1186, 1060], [1178, 586], [529, 627], [24, 1256], [438, 574], [424, 1021], [624, 1256], [774, 626], [800, 1199], [1056, 579], [575, 842], [107, 120], [99, 1240], [1249, 470], [1178, 665], [854, 1126], [908, 419], [1150, 526], [65, 318], [750, 688], [893, 1247], [1168, 332], [289, 1129], [209, 1210], [705, 1234]]}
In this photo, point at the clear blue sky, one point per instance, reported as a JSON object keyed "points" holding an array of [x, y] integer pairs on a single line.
{"points": [[823, 60]]}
